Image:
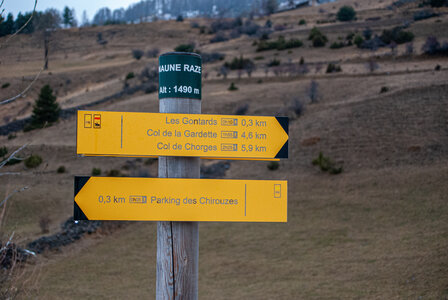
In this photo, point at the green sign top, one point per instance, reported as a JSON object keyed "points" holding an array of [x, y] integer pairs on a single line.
{"points": [[180, 75]]}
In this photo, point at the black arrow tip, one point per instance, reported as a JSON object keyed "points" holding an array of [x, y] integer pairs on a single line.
{"points": [[284, 122], [283, 153], [80, 181], [78, 214]]}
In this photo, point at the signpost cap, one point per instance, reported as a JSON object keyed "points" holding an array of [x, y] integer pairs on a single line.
{"points": [[180, 53]]}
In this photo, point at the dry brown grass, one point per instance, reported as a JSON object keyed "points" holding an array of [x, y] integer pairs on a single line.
{"points": [[376, 231]]}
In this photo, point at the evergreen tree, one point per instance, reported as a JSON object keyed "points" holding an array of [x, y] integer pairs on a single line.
{"points": [[21, 21], [68, 17], [46, 109], [346, 13], [7, 26]]}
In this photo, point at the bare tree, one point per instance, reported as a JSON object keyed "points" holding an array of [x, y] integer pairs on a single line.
{"points": [[250, 67], [23, 93], [266, 71], [313, 91], [318, 67], [23, 26], [372, 65], [410, 48], [224, 71], [239, 73]]}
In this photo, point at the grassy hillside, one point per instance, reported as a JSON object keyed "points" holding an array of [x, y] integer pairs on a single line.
{"points": [[377, 230]]}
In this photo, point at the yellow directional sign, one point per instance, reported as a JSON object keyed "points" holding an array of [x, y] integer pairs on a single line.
{"points": [[101, 133], [169, 199]]}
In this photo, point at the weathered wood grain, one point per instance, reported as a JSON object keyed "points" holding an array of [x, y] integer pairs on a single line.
{"points": [[178, 242]]}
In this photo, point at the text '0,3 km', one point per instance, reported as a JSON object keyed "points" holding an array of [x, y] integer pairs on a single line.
{"points": [[169, 199], [159, 134]]}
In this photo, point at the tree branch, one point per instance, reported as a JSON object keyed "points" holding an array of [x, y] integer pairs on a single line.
{"points": [[3, 10], [21, 28], [12, 156], [10, 195], [23, 93], [9, 173]]}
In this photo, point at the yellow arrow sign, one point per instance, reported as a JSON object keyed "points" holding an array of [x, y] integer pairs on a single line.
{"points": [[169, 199], [101, 133]]}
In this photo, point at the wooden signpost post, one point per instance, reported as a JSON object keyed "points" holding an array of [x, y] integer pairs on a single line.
{"points": [[179, 135]]}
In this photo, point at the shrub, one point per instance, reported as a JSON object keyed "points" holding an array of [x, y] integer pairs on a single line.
{"points": [[46, 109], [333, 68], [150, 89], [367, 33], [151, 53], [33, 161], [319, 41], [326, 164], [184, 48], [250, 28], [432, 46], [384, 89], [194, 25], [314, 32], [137, 53], [302, 22], [232, 87], [424, 14], [13, 161], [11, 136], [274, 62], [239, 63], [302, 60], [373, 44], [220, 36], [358, 40], [397, 35], [61, 170], [5, 85], [273, 165], [337, 45], [297, 107], [350, 36], [3, 151], [242, 109], [258, 57], [179, 18], [437, 3], [438, 68], [279, 27], [280, 44], [346, 13], [113, 173], [317, 37], [96, 172], [212, 57], [234, 34], [263, 34], [130, 75]]}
